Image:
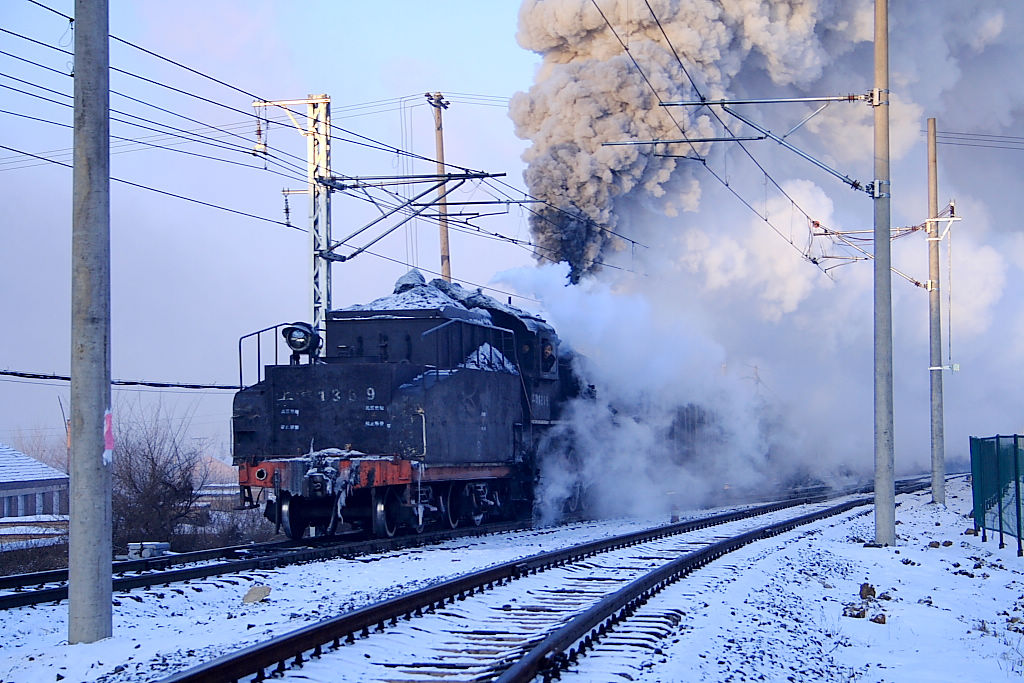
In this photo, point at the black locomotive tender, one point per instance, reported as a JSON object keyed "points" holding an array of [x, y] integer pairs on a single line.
{"points": [[426, 407]]}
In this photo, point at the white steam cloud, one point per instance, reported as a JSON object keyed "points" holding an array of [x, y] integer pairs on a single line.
{"points": [[728, 317]]}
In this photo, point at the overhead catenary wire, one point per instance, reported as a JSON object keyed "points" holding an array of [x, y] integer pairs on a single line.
{"points": [[164, 192], [466, 227], [269, 220], [223, 129], [118, 147], [157, 146], [208, 140], [699, 157], [359, 139], [768, 177], [961, 134], [367, 140], [540, 216]]}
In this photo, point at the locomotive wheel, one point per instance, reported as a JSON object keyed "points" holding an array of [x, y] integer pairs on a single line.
{"points": [[385, 512], [293, 522], [451, 505], [470, 509]]}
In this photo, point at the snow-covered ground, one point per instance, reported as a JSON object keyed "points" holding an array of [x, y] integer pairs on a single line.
{"points": [[941, 606], [773, 611]]}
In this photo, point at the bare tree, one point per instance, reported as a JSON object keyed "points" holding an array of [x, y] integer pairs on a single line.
{"points": [[156, 479]]}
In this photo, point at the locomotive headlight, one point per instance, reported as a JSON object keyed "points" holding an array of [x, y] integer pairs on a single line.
{"points": [[298, 339], [301, 339]]}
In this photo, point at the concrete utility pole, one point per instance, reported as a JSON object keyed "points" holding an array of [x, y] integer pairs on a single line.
{"points": [[885, 487], [438, 102], [935, 326], [89, 551], [318, 167]]}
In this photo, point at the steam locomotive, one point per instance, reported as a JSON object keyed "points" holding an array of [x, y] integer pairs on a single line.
{"points": [[426, 407]]}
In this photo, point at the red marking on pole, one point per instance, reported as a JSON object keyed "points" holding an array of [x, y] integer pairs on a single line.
{"points": [[108, 437]]}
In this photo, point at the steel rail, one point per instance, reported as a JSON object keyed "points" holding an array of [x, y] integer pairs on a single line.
{"points": [[21, 581], [556, 651], [301, 552], [277, 654], [24, 594]]}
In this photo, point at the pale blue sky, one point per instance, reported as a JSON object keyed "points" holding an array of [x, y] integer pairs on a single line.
{"points": [[180, 268]]}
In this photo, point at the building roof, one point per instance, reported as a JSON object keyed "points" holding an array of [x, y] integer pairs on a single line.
{"points": [[15, 466]]}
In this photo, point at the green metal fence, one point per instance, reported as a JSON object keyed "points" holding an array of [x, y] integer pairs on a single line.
{"points": [[997, 463]]}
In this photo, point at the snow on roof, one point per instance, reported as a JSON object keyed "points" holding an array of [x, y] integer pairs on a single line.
{"points": [[412, 292], [15, 466]]}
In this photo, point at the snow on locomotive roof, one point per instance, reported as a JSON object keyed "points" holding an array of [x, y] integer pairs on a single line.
{"points": [[412, 292], [409, 294]]}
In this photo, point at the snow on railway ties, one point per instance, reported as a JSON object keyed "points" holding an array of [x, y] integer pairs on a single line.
{"points": [[169, 569], [512, 617]]}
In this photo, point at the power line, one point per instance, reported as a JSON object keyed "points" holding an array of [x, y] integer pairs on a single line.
{"points": [[120, 382], [678, 125], [50, 9], [723, 181], [215, 143], [155, 145], [978, 135], [117, 148], [967, 144], [164, 192], [369, 142], [244, 150], [361, 140], [983, 140], [540, 216], [137, 76], [268, 220]]}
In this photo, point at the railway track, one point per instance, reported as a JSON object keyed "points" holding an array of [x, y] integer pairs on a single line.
{"points": [[511, 622], [51, 586], [21, 590]]}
